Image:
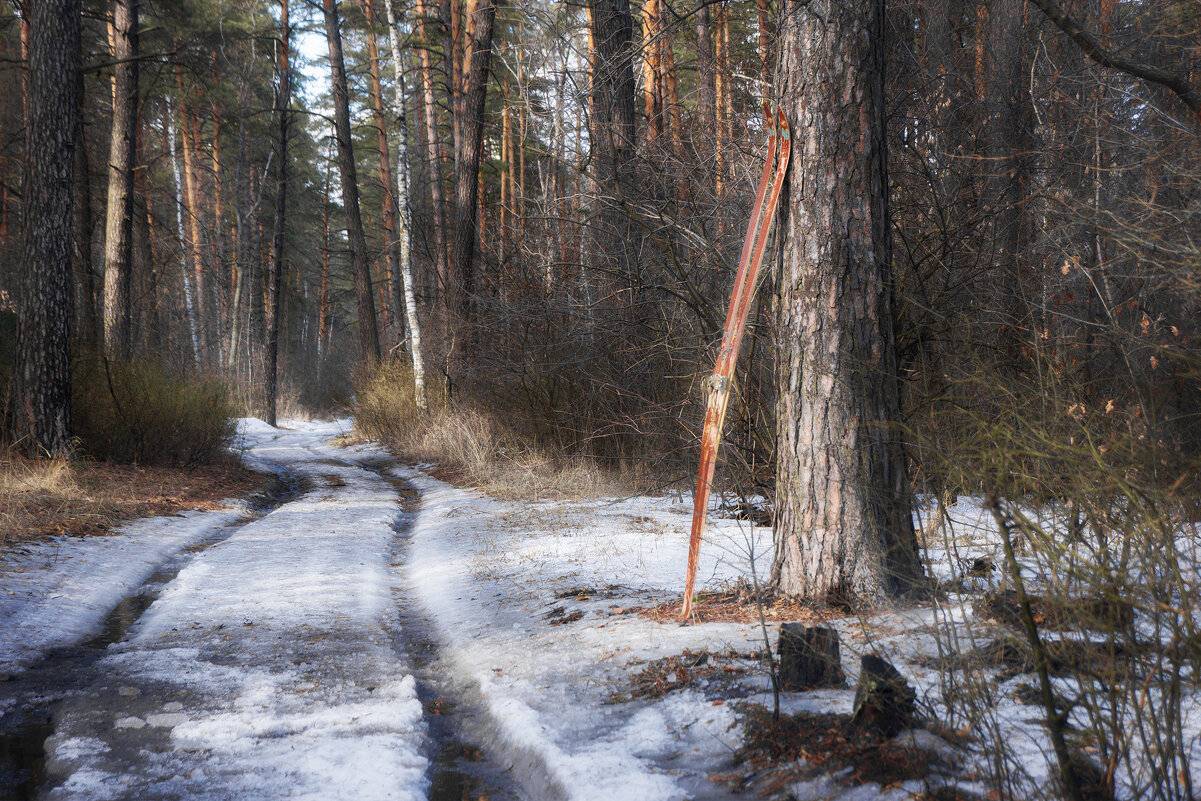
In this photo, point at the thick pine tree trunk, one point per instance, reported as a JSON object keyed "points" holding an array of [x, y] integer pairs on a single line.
{"points": [[469, 150], [118, 237], [613, 132], [368, 327], [843, 524], [40, 406], [85, 270]]}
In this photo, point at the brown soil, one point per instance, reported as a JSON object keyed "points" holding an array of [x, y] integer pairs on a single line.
{"points": [[86, 498]]}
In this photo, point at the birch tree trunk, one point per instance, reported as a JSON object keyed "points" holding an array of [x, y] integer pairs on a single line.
{"points": [[40, 406], [191, 214], [843, 524], [189, 304], [404, 238], [283, 100]]}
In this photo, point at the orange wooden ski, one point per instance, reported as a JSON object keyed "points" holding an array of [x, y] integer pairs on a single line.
{"points": [[717, 386]]}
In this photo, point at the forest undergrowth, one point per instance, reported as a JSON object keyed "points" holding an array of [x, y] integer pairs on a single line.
{"points": [[147, 442]]}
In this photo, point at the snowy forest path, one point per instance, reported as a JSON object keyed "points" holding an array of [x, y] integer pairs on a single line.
{"points": [[282, 660]]}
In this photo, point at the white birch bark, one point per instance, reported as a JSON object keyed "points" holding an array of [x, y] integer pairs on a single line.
{"points": [[405, 217], [183, 242]]}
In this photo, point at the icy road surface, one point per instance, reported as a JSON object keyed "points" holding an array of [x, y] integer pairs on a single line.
{"points": [[267, 667]]}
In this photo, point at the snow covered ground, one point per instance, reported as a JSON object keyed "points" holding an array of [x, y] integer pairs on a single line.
{"points": [[269, 667], [266, 668], [531, 601], [500, 579]]}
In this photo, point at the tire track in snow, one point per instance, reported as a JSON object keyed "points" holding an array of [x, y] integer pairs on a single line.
{"points": [[266, 668]]}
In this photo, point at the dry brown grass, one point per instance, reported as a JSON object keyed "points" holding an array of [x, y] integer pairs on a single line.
{"points": [[777, 753], [41, 498], [471, 447], [732, 606]]}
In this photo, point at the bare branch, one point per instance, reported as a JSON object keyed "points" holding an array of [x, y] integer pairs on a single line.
{"points": [[1106, 58]]}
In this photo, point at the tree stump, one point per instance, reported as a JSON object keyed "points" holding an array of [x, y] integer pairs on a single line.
{"points": [[809, 657], [884, 701]]}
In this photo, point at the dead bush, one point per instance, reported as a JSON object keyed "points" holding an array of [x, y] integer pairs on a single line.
{"points": [[468, 444], [137, 412]]}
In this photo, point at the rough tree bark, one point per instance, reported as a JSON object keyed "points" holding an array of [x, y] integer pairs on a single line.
{"points": [[396, 316], [85, 270], [40, 406], [706, 93], [433, 154], [613, 132], [843, 524], [468, 151], [368, 327], [118, 244]]}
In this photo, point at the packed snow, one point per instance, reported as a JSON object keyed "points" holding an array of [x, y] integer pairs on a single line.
{"points": [[266, 668], [58, 591], [273, 664]]}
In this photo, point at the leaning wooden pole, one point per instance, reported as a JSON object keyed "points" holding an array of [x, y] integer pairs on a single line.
{"points": [[717, 386]]}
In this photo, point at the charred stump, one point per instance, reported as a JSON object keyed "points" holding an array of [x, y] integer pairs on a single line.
{"points": [[884, 701], [809, 657]]}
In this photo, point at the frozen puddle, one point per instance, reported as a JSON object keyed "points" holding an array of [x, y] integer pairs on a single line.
{"points": [[282, 659]]}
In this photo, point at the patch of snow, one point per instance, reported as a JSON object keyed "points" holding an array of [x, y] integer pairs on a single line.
{"points": [[58, 591], [266, 669]]}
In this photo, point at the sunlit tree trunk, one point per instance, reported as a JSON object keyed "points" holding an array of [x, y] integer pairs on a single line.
{"points": [[396, 319], [722, 93], [40, 404], [191, 216], [843, 524], [404, 243], [433, 152], [118, 246], [652, 100], [283, 120], [706, 95], [181, 230]]}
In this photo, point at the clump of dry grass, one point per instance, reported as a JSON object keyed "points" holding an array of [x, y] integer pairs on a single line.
{"points": [[776, 753], [27, 485], [470, 445]]}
